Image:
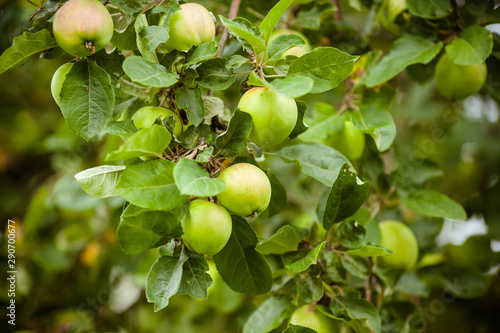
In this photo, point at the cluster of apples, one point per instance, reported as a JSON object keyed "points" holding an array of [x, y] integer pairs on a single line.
{"points": [[207, 226], [82, 27], [453, 81]]}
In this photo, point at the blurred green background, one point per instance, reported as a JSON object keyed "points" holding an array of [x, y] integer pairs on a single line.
{"points": [[73, 277]]}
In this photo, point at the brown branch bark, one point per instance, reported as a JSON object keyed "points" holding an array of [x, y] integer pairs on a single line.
{"points": [[233, 11], [338, 14]]}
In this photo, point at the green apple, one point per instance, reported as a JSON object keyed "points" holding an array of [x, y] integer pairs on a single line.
{"points": [[146, 116], [308, 317], [248, 190], [398, 237], [191, 25], [220, 295], [274, 115], [83, 27], [58, 80], [297, 51], [459, 81], [207, 227], [350, 141]]}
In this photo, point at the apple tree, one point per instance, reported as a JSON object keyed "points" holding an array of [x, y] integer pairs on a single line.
{"points": [[252, 146]]}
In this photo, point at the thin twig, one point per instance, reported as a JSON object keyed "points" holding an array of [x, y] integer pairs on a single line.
{"points": [[233, 11], [105, 2], [338, 14]]}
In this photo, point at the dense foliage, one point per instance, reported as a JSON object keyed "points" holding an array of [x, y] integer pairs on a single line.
{"points": [[299, 166]]}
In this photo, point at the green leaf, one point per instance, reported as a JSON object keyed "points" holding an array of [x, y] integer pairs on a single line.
{"points": [[411, 284], [150, 185], [473, 47], [100, 181], [191, 100], [327, 66], [134, 89], [249, 37], [269, 315], [204, 156], [357, 266], [148, 74], [87, 98], [313, 17], [145, 142], [234, 139], [294, 86], [123, 102], [406, 51], [191, 138], [466, 284], [310, 259], [243, 268], [283, 240], [141, 229], [236, 61], [267, 25], [141, 23], [195, 279], [347, 194], [214, 106], [255, 80], [25, 46], [127, 40], [191, 179], [283, 43], [429, 9], [317, 160], [150, 37], [323, 129], [298, 329], [432, 203], [164, 280], [300, 126], [359, 309], [377, 123], [370, 251], [125, 128], [278, 197], [202, 52], [351, 234], [130, 7], [214, 74]]}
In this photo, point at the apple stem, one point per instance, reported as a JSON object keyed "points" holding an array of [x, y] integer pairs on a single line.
{"points": [[90, 46]]}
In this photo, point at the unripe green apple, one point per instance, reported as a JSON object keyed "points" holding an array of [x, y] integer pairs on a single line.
{"points": [[297, 51], [146, 116], [248, 190], [220, 295], [350, 141], [83, 27], [207, 227], [191, 25], [58, 80], [459, 81], [398, 237], [308, 317], [274, 115]]}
